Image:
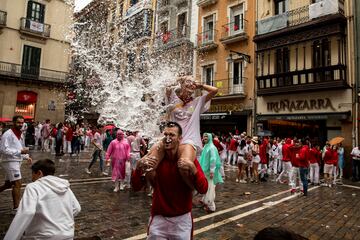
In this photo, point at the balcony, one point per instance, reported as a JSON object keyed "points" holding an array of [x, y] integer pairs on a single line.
{"points": [[232, 90], [173, 38], [181, 3], [205, 3], [12, 70], [234, 32], [301, 15], [34, 28], [206, 40], [3, 16], [323, 78]]}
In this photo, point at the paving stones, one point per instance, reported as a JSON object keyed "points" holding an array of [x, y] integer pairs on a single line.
{"points": [[325, 214]]}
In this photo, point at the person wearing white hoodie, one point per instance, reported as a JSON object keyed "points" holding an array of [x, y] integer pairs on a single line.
{"points": [[47, 208]]}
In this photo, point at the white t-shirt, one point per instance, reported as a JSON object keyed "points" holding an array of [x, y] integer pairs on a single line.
{"points": [[98, 139], [188, 117], [355, 153]]}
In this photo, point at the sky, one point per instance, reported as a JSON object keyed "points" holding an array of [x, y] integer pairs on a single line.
{"points": [[80, 4]]}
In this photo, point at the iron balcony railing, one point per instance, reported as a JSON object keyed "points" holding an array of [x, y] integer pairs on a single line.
{"points": [[32, 73], [234, 29], [206, 37], [324, 76], [172, 36], [34, 27], [3, 16], [300, 15]]}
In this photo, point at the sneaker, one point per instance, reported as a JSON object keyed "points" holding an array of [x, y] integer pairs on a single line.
{"points": [[323, 185], [87, 171], [292, 191], [116, 189], [243, 181], [104, 173], [122, 187], [237, 180]]}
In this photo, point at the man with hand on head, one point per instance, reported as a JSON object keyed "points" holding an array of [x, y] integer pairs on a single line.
{"points": [[47, 208], [172, 198]]}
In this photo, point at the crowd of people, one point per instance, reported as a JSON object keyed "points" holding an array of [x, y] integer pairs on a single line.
{"points": [[183, 159]]}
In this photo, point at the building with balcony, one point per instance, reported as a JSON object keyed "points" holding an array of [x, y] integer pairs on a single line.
{"points": [[175, 28], [225, 59], [304, 71], [34, 58]]}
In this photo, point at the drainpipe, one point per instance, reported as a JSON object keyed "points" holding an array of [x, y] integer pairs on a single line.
{"points": [[357, 68], [255, 73]]}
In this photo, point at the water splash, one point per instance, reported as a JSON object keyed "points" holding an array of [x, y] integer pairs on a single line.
{"points": [[130, 95]]}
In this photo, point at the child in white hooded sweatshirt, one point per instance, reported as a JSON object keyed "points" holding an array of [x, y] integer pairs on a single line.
{"points": [[47, 208]]}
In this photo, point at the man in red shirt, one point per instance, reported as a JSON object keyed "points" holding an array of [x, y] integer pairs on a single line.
{"points": [[232, 157], [172, 198], [304, 166]]}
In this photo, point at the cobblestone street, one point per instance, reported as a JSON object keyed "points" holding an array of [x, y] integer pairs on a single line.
{"points": [[327, 213]]}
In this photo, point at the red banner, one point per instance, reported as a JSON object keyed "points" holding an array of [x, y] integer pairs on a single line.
{"points": [[26, 97]]}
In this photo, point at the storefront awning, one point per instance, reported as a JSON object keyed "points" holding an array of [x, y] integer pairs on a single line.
{"points": [[299, 117], [26, 97]]}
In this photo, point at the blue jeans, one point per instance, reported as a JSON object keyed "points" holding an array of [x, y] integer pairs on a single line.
{"points": [[96, 154], [304, 178]]}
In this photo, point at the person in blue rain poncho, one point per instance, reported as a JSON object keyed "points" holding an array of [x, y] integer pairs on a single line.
{"points": [[210, 163]]}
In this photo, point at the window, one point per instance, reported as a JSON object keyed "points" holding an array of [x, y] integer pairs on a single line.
{"points": [[35, 11], [208, 34], [281, 6], [237, 19], [181, 25], [139, 26], [31, 60], [208, 74], [164, 27], [321, 58], [133, 2], [282, 57], [237, 72], [316, 1]]}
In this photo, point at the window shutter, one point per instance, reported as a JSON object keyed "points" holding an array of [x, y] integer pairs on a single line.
{"points": [[29, 9], [42, 13]]}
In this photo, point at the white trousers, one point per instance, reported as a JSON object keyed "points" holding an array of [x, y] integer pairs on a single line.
{"points": [[67, 146], [286, 171], [295, 178], [232, 157], [314, 172]]}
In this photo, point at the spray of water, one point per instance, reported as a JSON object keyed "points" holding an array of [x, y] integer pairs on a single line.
{"points": [[129, 94]]}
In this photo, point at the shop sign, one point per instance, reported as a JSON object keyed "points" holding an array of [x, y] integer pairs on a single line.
{"points": [[300, 105], [212, 117], [239, 107], [138, 7]]}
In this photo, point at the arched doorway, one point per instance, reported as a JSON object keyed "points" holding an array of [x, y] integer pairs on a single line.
{"points": [[26, 104]]}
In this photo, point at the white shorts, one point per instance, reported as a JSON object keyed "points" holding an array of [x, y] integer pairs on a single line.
{"points": [[256, 159], [175, 228], [241, 160], [328, 168], [12, 171]]}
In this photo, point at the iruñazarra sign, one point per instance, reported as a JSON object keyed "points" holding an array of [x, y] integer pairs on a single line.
{"points": [[299, 105]]}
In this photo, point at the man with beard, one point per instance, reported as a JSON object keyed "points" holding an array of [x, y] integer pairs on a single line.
{"points": [[13, 152]]}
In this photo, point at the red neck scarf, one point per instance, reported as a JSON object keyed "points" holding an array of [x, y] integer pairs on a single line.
{"points": [[16, 132]]}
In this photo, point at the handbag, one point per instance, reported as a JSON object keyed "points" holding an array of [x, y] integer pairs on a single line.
{"points": [[210, 194]]}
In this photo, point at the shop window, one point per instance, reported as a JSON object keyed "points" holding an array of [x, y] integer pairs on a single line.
{"points": [[31, 61], [208, 75], [281, 6], [25, 104]]}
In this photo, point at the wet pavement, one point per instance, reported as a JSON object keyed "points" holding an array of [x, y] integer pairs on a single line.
{"points": [[327, 213]]}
